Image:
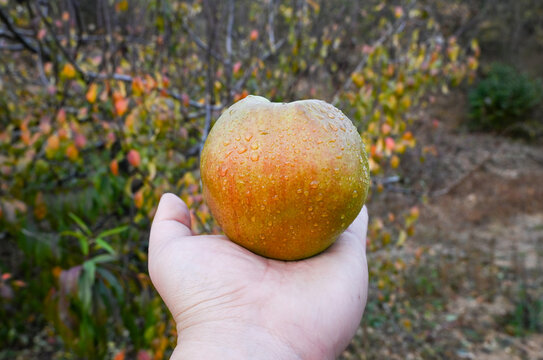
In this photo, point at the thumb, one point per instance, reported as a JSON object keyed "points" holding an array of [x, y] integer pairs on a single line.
{"points": [[172, 220], [171, 223]]}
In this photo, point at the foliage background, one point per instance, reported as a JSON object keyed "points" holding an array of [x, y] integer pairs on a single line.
{"points": [[106, 105]]}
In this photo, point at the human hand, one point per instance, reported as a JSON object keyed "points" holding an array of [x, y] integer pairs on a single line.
{"points": [[229, 303]]}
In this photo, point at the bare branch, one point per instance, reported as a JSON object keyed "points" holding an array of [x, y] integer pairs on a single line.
{"points": [[211, 30], [228, 63], [271, 19], [59, 45], [18, 36], [12, 47], [80, 26], [128, 79], [391, 31], [241, 82], [201, 44]]}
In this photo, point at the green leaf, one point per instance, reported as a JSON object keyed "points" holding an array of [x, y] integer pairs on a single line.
{"points": [[113, 231], [86, 282], [113, 282], [83, 240], [102, 244], [80, 222], [75, 234], [84, 246], [149, 334], [104, 258]]}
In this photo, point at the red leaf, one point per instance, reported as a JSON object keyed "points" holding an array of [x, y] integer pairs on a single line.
{"points": [[134, 158]]}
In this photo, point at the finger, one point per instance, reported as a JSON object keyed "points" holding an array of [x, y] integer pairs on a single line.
{"points": [[359, 228], [172, 219], [353, 241]]}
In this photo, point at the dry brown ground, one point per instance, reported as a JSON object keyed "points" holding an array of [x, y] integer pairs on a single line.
{"points": [[482, 226]]}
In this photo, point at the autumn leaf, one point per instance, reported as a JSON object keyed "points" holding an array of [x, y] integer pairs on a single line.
{"points": [[71, 152], [92, 93], [385, 129], [129, 121], [61, 116], [80, 140], [68, 71], [357, 79], [254, 35], [236, 67], [134, 158], [390, 143], [138, 199], [53, 144], [120, 355], [137, 86], [121, 6], [120, 103], [114, 167], [394, 161]]}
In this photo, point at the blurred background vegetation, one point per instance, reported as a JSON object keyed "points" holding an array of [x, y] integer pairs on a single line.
{"points": [[106, 104]]}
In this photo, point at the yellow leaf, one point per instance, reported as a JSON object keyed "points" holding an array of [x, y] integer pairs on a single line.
{"points": [[122, 5], [137, 86], [189, 179], [68, 71], [53, 143], [401, 238], [394, 161], [92, 93], [129, 122], [357, 79], [71, 152]]}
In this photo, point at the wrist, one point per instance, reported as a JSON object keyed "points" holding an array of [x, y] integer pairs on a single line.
{"points": [[231, 341]]}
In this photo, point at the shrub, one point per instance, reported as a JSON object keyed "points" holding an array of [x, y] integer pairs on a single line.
{"points": [[92, 135], [503, 99]]}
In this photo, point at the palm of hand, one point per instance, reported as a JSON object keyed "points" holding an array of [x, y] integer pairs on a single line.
{"points": [[313, 306]]}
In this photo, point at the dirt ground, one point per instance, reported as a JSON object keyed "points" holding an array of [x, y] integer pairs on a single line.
{"points": [[482, 227]]}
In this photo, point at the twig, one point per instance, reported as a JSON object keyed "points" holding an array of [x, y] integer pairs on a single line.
{"points": [[41, 71], [271, 19], [80, 26], [228, 63], [19, 37], [200, 43], [211, 28], [248, 73], [12, 47], [128, 79], [392, 30], [205, 226], [385, 181], [62, 49]]}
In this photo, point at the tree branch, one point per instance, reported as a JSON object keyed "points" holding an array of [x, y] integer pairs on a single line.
{"points": [[392, 30], [228, 63], [241, 82], [18, 36], [59, 45], [201, 44]]}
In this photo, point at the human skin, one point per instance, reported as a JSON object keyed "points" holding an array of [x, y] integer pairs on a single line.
{"points": [[229, 303]]}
